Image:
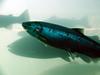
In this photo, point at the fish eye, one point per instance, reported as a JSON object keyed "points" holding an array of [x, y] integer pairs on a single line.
{"points": [[38, 28]]}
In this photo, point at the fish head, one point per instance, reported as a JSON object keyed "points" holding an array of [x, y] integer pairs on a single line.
{"points": [[32, 28]]}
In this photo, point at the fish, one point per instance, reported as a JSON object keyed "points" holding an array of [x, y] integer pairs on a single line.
{"points": [[71, 40], [7, 20], [1, 1], [70, 22]]}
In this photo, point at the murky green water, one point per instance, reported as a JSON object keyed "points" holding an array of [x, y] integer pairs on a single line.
{"points": [[21, 54]]}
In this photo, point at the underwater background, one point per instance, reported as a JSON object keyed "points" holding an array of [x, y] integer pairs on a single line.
{"points": [[21, 54]]}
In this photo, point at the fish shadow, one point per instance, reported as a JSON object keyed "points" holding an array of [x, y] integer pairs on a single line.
{"points": [[73, 69], [1, 72], [31, 47]]}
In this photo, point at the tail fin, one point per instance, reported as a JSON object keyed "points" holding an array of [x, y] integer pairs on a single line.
{"points": [[23, 17]]}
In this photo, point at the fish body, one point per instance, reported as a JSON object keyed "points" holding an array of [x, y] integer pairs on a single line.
{"points": [[63, 38]]}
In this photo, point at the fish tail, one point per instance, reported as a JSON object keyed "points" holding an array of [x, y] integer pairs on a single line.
{"points": [[23, 17], [98, 47], [96, 51]]}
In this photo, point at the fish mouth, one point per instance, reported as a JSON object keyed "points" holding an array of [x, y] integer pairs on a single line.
{"points": [[24, 25]]}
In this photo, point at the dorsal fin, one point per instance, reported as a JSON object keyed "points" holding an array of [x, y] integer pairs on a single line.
{"points": [[79, 30]]}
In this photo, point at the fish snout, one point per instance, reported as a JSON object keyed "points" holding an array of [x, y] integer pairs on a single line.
{"points": [[24, 25]]}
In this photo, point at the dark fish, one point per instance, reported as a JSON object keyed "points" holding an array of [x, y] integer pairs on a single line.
{"points": [[6, 20], [65, 38]]}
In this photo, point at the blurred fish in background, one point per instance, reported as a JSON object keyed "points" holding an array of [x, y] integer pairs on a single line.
{"points": [[73, 22], [1, 1], [7, 20]]}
